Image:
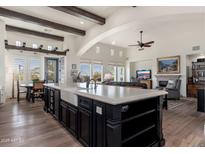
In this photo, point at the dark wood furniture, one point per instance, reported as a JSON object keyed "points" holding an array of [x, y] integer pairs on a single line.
{"points": [[29, 49], [37, 90], [28, 87], [197, 81], [148, 83], [192, 90], [19, 91]]}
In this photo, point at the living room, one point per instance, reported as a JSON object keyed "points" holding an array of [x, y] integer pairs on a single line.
{"points": [[112, 76]]}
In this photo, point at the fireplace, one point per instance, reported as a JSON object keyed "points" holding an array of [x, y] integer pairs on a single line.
{"points": [[162, 79], [162, 83]]}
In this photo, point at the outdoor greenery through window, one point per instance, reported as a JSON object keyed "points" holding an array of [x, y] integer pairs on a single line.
{"points": [[26, 69], [85, 71], [110, 73], [102, 73], [19, 68], [97, 72], [35, 73]]}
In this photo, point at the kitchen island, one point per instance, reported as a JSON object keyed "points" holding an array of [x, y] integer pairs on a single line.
{"points": [[109, 115]]}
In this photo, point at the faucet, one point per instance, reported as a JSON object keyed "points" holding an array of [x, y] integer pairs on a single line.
{"points": [[88, 83]]}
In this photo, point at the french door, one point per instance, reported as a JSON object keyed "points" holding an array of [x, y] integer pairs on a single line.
{"points": [[51, 70]]}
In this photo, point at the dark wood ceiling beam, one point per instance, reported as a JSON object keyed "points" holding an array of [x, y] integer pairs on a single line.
{"points": [[31, 19], [80, 13], [13, 47], [35, 33]]}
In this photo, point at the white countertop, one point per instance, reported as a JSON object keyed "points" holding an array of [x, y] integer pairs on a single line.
{"points": [[112, 94]]}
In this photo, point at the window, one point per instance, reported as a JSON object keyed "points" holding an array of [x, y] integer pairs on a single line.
{"points": [[50, 48], [120, 73], [35, 46], [35, 71], [97, 72], [18, 43], [110, 73], [85, 71], [19, 68]]}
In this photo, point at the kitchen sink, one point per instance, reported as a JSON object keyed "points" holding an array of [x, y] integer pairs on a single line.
{"points": [[68, 95]]}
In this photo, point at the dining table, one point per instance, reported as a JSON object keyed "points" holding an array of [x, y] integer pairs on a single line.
{"points": [[29, 87]]}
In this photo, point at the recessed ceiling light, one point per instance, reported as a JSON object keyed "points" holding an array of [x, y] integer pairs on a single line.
{"points": [[81, 22], [113, 42]]}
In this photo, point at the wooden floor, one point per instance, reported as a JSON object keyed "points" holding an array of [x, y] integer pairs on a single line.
{"points": [[27, 124], [183, 126]]}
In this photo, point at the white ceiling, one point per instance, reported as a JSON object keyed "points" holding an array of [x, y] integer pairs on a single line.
{"points": [[153, 30], [56, 16], [104, 11]]}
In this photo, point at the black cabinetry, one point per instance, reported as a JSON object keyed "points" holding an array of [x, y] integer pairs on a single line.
{"points": [[63, 113], [68, 117], [85, 121], [201, 100], [52, 101], [99, 124], [135, 124], [56, 103], [72, 119], [46, 97]]}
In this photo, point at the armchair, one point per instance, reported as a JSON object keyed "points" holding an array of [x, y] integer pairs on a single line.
{"points": [[174, 91]]}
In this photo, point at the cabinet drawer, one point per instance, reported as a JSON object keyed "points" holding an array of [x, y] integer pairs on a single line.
{"points": [[85, 103]]}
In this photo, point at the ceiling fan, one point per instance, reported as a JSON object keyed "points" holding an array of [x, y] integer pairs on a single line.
{"points": [[141, 44]]}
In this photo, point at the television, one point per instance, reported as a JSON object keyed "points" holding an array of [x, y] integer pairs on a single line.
{"points": [[144, 74]]}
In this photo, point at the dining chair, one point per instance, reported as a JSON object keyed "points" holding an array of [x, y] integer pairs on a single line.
{"points": [[37, 90], [19, 91]]}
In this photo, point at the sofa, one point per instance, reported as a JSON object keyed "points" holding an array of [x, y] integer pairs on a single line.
{"points": [[126, 84]]}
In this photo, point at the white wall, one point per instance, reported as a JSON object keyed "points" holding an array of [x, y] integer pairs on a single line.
{"points": [[2, 57], [104, 56], [172, 38], [12, 37], [31, 39], [70, 42], [101, 53]]}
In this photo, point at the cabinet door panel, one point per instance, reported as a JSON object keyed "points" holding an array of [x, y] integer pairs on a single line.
{"points": [[57, 102], [63, 114], [72, 120], [85, 127], [98, 124]]}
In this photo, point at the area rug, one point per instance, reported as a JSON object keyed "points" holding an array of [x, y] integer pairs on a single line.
{"points": [[175, 103]]}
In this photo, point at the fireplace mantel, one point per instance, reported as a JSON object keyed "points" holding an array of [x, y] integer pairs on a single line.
{"points": [[166, 77]]}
